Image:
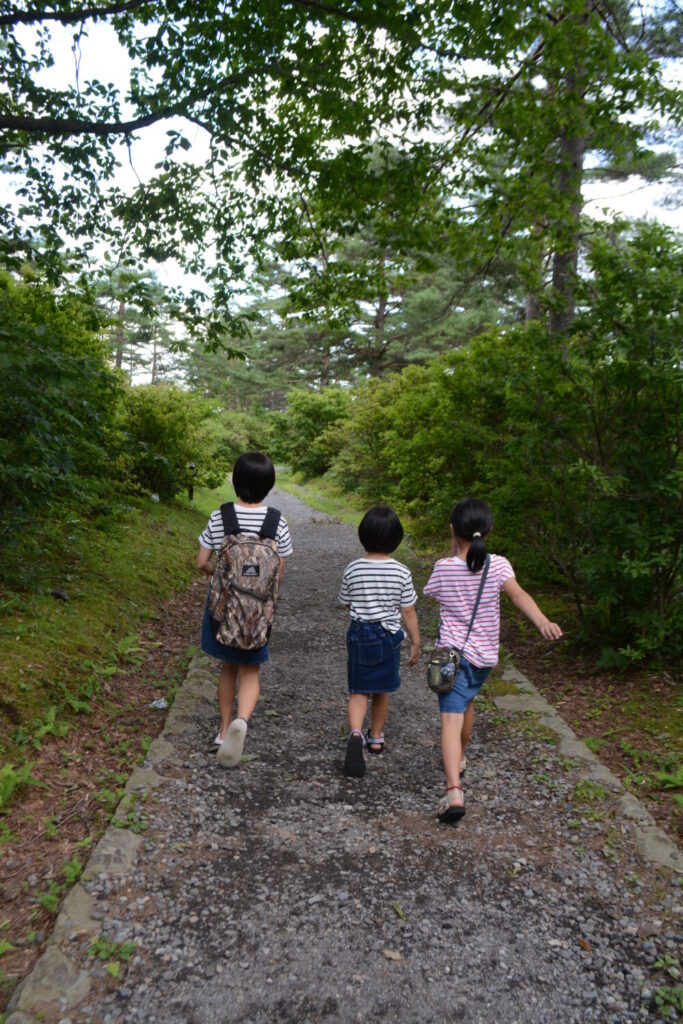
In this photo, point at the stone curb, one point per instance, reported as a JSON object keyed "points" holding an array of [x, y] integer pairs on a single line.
{"points": [[652, 842], [56, 985]]}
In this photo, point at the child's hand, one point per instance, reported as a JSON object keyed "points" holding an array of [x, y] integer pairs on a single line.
{"points": [[414, 655], [549, 630]]}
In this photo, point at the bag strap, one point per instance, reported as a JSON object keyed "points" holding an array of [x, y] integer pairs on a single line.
{"points": [[270, 524], [229, 517], [485, 570], [231, 524], [476, 603]]}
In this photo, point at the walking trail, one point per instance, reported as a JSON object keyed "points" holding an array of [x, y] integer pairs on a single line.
{"points": [[282, 891]]}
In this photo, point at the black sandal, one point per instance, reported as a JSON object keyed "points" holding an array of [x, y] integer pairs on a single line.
{"points": [[354, 764], [375, 744]]}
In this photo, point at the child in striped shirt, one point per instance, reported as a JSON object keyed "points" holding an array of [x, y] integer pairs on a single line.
{"points": [[253, 476], [454, 583], [379, 592]]}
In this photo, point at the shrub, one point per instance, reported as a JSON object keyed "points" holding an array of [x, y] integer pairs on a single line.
{"points": [[574, 441], [59, 398], [301, 437], [166, 430]]}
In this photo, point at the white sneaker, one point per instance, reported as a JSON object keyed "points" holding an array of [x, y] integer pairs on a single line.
{"points": [[217, 742], [230, 750]]}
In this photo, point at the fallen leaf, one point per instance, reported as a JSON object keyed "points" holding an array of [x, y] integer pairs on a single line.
{"points": [[585, 944], [246, 758], [392, 954], [399, 912]]}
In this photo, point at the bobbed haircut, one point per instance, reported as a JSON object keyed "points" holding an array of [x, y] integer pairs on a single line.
{"points": [[380, 531], [253, 475], [468, 517]]}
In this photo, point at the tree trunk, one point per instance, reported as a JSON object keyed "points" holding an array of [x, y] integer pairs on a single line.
{"points": [[565, 258], [119, 335], [154, 362], [572, 144], [325, 371]]}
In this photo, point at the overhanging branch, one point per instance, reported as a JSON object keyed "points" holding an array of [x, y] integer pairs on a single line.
{"points": [[69, 17], [79, 126]]}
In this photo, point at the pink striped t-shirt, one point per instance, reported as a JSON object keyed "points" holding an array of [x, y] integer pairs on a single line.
{"points": [[455, 588]]}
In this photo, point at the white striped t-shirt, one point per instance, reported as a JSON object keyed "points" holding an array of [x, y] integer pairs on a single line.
{"points": [[376, 590], [251, 521], [455, 588]]}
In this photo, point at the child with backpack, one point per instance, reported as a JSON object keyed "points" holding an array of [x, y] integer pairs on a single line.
{"points": [[467, 585], [379, 592], [250, 542]]}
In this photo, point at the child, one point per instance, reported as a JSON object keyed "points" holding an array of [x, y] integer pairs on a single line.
{"points": [[253, 477], [454, 583], [378, 590]]}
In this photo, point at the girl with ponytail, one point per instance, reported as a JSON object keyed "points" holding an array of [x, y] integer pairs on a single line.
{"points": [[456, 583]]}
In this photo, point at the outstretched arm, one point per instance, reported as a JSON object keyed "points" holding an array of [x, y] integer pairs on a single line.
{"points": [[410, 619], [526, 604]]}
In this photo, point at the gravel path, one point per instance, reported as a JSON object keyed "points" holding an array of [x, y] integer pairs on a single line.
{"points": [[282, 891]]}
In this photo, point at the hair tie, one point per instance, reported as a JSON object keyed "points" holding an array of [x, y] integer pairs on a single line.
{"points": [[475, 535]]}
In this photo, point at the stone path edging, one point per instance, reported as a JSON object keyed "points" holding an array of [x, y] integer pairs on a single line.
{"points": [[54, 981], [55, 984], [652, 841]]}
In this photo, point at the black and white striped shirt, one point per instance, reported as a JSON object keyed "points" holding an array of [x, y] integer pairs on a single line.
{"points": [[251, 521], [376, 590]]}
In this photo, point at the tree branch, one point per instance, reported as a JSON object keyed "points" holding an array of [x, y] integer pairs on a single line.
{"points": [[77, 126], [69, 17], [317, 5]]}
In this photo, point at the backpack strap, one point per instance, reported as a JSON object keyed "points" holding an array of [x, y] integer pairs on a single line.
{"points": [[270, 524], [229, 517]]}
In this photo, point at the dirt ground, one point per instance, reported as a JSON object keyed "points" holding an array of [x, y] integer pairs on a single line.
{"points": [[58, 821]]}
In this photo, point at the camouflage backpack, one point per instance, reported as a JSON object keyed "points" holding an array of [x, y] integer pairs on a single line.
{"points": [[245, 583]]}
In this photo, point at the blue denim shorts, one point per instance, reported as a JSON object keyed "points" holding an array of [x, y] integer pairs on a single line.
{"points": [[468, 682], [374, 658]]}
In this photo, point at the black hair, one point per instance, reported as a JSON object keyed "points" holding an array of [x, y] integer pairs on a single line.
{"points": [[253, 475], [380, 531], [468, 517]]}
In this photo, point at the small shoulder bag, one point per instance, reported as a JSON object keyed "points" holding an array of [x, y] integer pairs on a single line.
{"points": [[443, 664]]}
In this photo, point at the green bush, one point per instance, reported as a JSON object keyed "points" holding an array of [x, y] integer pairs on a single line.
{"points": [[59, 399], [595, 446], [302, 437], [574, 441], [167, 429]]}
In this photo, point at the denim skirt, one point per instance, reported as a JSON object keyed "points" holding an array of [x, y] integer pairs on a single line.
{"points": [[234, 655], [469, 680], [374, 658]]}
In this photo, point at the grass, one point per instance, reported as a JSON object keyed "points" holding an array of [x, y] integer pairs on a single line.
{"points": [[325, 496], [115, 572], [322, 495], [499, 687]]}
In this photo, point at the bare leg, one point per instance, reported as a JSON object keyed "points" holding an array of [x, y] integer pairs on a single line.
{"points": [[451, 746], [467, 726], [378, 714], [227, 683], [248, 692], [358, 708]]}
